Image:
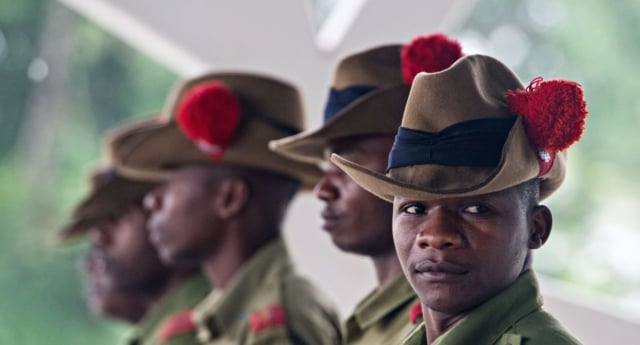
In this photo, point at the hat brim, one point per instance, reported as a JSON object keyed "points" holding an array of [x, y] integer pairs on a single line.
{"points": [[154, 150], [387, 188], [103, 202], [75, 230], [512, 170], [358, 118]]}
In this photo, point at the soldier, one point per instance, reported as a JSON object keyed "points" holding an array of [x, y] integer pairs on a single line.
{"points": [[125, 278], [474, 156], [361, 117], [222, 205]]}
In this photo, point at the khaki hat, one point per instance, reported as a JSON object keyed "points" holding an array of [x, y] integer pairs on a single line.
{"points": [[109, 194], [369, 92], [472, 129], [109, 191], [217, 118]]}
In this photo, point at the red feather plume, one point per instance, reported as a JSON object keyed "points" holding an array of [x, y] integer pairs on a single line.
{"points": [[431, 53], [209, 114], [554, 112]]}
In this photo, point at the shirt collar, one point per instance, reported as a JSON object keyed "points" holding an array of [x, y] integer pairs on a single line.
{"points": [[223, 308], [383, 301], [486, 323], [175, 299]]}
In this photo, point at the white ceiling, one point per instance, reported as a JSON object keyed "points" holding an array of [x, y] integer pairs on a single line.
{"points": [[278, 37]]}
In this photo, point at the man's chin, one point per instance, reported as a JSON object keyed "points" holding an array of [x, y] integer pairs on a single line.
{"points": [[177, 258], [348, 246]]}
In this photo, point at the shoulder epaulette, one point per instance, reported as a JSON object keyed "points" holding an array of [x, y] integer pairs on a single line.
{"points": [[267, 317], [415, 313], [176, 324]]}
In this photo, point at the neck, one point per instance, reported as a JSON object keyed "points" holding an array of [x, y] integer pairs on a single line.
{"points": [[133, 311], [232, 253], [176, 278], [387, 267], [437, 323]]}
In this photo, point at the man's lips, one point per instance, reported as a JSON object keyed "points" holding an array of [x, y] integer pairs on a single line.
{"points": [[155, 235], [96, 270], [439, 271], [95, 264], [331, 219], [155, 232]]}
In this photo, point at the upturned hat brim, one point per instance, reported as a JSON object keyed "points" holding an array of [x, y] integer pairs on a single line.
{"points": [[75, 229], [358, 118], [104, 200], [269, 109], [517, 165], [152, 152]]}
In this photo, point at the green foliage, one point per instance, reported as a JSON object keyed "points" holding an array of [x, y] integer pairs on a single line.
{"points": [[20, 25], [107, 82]]}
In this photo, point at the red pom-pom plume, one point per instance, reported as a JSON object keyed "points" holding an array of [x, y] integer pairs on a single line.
{"points": [[431, 53], [209, 114], [554, 112]]}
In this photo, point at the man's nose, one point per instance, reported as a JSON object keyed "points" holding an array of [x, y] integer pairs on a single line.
{"points": [[326, 189], [151, 201], [440, 230], [98, 236]]}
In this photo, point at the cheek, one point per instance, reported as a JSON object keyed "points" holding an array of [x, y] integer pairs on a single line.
{"points": [[353, 194], [371, 208], [133, 237], [403, 239]]}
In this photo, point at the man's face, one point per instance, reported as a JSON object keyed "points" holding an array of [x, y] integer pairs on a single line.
{"points": [[181, 224], [357, 221], [121, 259], [459, 252]]}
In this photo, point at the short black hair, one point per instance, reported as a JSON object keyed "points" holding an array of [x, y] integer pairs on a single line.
{"points": [[530, 192]]}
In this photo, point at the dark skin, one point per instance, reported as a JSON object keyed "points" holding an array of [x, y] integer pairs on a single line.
{"points": [[124, 274], [460, 252], [217, 215], [105, 301], [358, 221]]}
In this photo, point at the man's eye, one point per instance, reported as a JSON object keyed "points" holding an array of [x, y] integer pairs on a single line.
{"points": [[477, 209], [414, 209]]}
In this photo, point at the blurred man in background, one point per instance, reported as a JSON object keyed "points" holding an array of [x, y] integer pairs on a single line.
{"points": [[125, 278], [222, 204], [362, 115]]}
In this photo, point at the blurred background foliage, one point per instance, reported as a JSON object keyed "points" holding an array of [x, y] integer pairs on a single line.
{"points": [[63, 82]]}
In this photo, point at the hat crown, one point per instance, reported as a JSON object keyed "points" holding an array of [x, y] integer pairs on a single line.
{"points": [[472, 88], [269, 109], [260, 96], [376, 67]]}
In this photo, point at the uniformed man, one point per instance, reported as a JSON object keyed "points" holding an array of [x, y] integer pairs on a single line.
{"points": [[362, 114], [222, 204], [475, 154], [125, 278]]}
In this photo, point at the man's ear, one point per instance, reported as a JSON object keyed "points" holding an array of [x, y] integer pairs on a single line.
{"points": [[541, 221], [231, 197]]}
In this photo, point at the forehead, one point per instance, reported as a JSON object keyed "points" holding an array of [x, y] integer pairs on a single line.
{"points": [[367, 143], [195, 174], [116, 216], [510, 195]]}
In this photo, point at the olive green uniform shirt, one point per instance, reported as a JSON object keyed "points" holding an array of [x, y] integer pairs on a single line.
{"points": [[383, 316], [182, 297], [288, 309], [514, 317]]}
